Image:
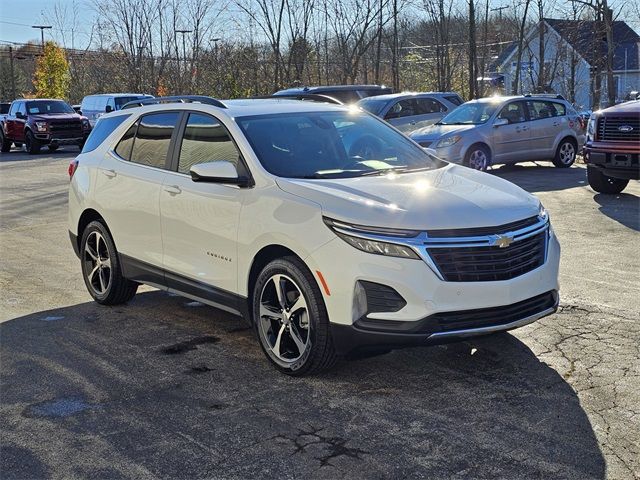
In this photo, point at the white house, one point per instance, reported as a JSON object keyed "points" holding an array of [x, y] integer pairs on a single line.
{"points": [[571, 48]]}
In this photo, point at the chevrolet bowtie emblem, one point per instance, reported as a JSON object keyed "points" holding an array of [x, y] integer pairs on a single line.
{"points": [[503, 241]]}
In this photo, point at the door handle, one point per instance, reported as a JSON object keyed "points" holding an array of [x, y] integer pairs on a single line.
{"points": [[108, 173], [172, 189]]}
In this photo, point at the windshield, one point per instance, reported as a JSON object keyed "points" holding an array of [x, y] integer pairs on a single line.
{"points": [[120, 101], [49, 106], [372, 104], [332, 145], [472, 113]]}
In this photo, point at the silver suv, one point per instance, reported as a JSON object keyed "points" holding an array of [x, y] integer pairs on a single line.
{"points": [[495, 130], [411, 111]]}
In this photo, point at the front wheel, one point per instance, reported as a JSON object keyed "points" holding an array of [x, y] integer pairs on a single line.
{"points": [[291, 320], [32, 145], [565, 154], [101, 267], [478, 157], [602, 183], [5, 145]]}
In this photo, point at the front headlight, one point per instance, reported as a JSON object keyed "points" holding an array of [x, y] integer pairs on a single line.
{"points": [[85, 124], [542, 213], [591, 126], [448, 141], [351, 235], [41, 126]]}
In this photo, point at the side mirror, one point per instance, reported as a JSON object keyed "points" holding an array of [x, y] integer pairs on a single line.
{"points": [[109, 109], [500, 121], [19, 115], [79, 112], [218, 172]]}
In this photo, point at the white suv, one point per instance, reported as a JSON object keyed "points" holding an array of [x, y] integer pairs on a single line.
{"points": [[276, 210]]}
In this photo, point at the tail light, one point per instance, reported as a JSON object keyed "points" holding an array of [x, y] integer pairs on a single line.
{"points": [[73, 165]]}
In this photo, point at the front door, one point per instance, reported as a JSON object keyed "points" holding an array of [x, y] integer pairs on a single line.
{"points": [[511, 141], [199, 219]]}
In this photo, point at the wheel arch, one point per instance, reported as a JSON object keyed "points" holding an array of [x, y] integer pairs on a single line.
{"points": [[89, 215], [478, 143], [265, 255], [566, 137]]}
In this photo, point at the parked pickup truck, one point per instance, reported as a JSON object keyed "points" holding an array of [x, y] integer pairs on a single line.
{"points": [[612, 150], [36, 123]]}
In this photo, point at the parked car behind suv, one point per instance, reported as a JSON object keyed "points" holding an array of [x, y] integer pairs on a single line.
{"points": [[343, 93], [612, 151], [94, 106], [258, 207], [496, 130], [411, 111], [36, 123]]}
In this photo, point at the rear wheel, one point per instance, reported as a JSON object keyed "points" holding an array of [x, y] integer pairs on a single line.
{"points": [[602, 183], [291, 320], [101, 268], [478, 157], [5, 145], [565, 154], [32, 145]]}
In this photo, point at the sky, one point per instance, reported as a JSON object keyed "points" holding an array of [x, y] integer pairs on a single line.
{"points": [[17, 17]]}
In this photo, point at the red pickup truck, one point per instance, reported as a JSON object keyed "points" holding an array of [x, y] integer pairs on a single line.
{"points": [[36, 123], [612, 150]]}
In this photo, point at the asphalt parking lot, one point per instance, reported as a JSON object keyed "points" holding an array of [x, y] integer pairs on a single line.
{"points": [[166, 387]]}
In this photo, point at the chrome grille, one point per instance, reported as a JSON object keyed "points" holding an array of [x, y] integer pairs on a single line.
{"points": [[612, 128]]}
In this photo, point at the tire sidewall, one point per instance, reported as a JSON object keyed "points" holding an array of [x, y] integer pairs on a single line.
{"points": [[478, 148], [559, 162], [315, 305]]}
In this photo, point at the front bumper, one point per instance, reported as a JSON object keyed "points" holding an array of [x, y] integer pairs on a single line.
{"points": [[53, 139], [623, 162], [372, 337]]}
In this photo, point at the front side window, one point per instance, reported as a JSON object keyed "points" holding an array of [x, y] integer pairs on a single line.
{"points": [[205, 139], [48, 106], [153, 136], [513, 112], [471, 113], [14, 108], [121, 101], [332, 145], [102, 130], [403, 108]]}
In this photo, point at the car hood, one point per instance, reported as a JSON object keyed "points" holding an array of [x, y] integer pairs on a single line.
{"points": [[433, 132], [448, 197], [43, 117]]}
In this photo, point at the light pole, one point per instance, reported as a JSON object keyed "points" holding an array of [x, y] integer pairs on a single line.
{"points": [[42, 29], [184, 49]]}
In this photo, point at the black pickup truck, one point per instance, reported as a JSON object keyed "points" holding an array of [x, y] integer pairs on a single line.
{"points": [[36, 123]]}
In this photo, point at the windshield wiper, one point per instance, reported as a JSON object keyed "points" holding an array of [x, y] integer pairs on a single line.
{"points": [[385, 171], [334, 174]]}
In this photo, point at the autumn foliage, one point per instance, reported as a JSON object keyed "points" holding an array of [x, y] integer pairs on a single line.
{"points": [[51, 78]]}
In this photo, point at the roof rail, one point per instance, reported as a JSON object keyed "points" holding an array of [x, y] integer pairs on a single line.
{"points": [[545, 95], [175, 99], [310, 97]]}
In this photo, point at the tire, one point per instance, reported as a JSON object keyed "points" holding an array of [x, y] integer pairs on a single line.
{"points": [[101, 268], [5, 145], [478, 157], [566, 153], [52, 148], [296, 339], [602, 183], [32, 145]]}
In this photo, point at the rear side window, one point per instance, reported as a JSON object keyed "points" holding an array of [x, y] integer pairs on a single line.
{"points": [[455, 99], [205, 140], [123, 149], [539, 109], [153, 137], [102, 130], [429, 105]]}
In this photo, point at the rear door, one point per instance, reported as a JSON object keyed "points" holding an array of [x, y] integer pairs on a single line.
{"points": [[199, 219], [510, 143], [128, 189], [546, 122]]}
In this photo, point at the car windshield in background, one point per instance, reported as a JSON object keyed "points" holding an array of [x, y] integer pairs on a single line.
{"points": [[372, 104], [48, 106], [120, 101], [332, 145], [474, 113]]}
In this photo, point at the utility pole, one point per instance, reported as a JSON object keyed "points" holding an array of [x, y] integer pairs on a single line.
{"points": [[13, 75], [499, 10], [42, 29]]}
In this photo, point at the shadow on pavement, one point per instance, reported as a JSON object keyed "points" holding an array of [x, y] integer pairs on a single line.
{"points": [[542, 177], [19, 155], [168, 387], [623, 207]]}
